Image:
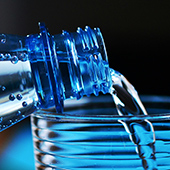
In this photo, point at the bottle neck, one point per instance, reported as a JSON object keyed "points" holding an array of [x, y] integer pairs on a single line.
{"points": [[68, 65]]}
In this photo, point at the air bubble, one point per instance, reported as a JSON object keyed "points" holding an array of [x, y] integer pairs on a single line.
{"points": [[18, 113], [3, 41], [3, 88], [37, 105], [12, 97], [1, 56], [23, 57], [19, 96], [10, 121], [24, 104], [7, 56], [14, 60], [3, 38]]}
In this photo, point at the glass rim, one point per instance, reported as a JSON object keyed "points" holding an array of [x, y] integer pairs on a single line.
{"points": [[158, 107]]}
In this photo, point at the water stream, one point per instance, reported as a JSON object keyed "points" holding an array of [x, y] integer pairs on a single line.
{"points": [[141, 132]]}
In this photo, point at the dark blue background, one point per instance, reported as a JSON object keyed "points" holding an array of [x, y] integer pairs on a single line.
{"points": [[137, 37]]}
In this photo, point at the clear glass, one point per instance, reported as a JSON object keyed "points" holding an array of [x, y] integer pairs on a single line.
{"points": [[91, 135]]}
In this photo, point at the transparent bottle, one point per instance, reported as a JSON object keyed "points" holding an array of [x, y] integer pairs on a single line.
{"points": [[41, 71]]}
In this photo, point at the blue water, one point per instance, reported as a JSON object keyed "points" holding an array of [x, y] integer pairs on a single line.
{"points": [[91, 135], [82, 61], [17, 95]]}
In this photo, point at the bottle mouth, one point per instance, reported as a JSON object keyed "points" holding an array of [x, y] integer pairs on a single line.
{"points": [[84, 54]]}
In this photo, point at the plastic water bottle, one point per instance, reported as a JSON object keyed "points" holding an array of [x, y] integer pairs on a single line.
{"points": [[41, 71]]}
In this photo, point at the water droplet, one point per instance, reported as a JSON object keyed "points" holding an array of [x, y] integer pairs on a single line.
{"points": [[12, 97], [14, 59], [37, 105], [18, 113], [7, 56], [24, 104], [1, 118], [1, 56], [3, 38], [3, 41], [3, 88], [19, 96], [23, 57]]}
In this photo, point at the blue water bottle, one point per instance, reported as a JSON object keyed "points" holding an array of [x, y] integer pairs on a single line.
{"points": [[42, 70]]}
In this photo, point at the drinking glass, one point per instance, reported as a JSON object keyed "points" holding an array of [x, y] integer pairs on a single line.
{"points": [[91, 135]]}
